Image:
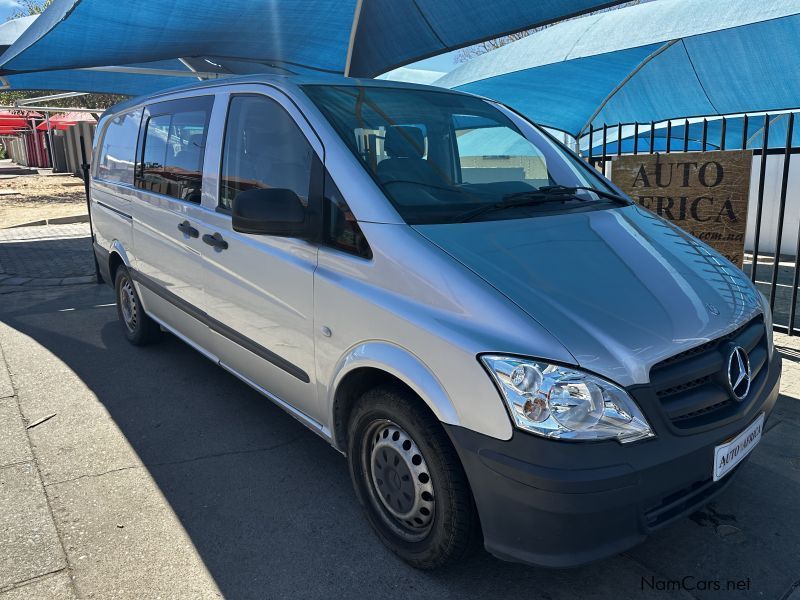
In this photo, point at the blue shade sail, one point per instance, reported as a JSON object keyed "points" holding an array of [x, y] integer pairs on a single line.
{"points": [[88, 33], [394, 32], [658, 60], [152, 77], [108, 82], [314, 34]]}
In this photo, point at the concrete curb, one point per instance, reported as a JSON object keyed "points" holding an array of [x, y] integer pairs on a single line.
{"points": [[54, 221]]}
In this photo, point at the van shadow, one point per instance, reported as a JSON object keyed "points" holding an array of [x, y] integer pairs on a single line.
{"points": [[268, 505], [44, 258]]}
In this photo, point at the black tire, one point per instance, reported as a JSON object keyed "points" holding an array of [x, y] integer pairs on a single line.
{"points": [[138, 327], [416, 446]]}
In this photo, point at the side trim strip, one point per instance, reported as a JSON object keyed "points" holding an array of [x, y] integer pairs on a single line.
{"points": [[114, 210], [220, 328]]}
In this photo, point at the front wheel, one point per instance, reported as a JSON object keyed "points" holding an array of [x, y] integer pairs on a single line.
{"points": [[409, 480], [139, 328]]}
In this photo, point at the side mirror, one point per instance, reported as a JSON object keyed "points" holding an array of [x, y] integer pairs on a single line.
{"points": [[271, 211]]}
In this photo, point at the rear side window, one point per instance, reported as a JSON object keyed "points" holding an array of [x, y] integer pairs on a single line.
{"points": [[118, 148], [263, 148], [173, 147]]}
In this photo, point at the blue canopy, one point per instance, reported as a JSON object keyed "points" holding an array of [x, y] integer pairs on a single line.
{"points": [[653, 61], [111, 82], [358, 37], [392, 33], [130, 80]]}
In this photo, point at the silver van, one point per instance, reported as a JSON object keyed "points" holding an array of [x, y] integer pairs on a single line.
{"points": [[505, 348]]}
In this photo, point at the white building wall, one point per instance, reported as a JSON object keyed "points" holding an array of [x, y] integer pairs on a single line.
{"points": [[769, 214]]}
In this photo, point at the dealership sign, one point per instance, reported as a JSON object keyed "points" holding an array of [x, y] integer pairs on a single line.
{"points": [[705, 193]]}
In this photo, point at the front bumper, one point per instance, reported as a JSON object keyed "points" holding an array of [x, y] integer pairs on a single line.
{"points": [[562, 504]]}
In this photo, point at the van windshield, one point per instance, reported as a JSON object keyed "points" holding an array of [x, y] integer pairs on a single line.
{"points": [[442, 157]]}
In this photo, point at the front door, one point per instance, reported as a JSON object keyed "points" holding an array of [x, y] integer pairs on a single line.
{"points": [[259, 290]]}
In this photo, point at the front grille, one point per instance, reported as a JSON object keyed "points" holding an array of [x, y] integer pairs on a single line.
{"points": [[692, 385]]}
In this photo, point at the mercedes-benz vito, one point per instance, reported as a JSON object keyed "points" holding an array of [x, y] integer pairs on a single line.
{"points": [[505, 348]]}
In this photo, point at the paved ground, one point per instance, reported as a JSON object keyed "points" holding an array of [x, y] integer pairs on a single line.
{"points": [[45, 256], [159, 475]]}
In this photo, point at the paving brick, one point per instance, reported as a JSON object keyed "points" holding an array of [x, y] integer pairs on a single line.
{"points": [[13, 440], [6, 389], [45, 256], [78, 280], [53, 587], [29, 545], [16, 280], [45, 282]]}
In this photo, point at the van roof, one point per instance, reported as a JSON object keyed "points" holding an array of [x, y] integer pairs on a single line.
{"points": [[281, 81]]}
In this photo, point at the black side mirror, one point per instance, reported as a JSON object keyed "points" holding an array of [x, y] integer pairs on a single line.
{"points": [[271, 211]]}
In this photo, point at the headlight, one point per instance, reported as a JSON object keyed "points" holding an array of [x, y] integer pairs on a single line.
{"points": [[767, 324], [558, 402]]}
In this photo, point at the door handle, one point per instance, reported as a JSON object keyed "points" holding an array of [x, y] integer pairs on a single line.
{"points": [[215, 240], [187, 229]]}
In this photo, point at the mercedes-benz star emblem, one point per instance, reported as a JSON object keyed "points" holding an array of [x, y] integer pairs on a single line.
{"points": [[739, 373]]}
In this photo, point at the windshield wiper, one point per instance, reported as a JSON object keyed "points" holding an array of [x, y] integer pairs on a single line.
{"points": [[550, 193], [572, 189]]}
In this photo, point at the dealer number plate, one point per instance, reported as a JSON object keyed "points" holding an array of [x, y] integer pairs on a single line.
{"points": [[730, 454]]}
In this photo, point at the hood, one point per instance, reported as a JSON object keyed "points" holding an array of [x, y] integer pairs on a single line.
{"points": [[621, 288]]}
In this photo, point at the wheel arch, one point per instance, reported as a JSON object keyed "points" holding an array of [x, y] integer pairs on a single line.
{"points": [[370, 364], [116, 256]]}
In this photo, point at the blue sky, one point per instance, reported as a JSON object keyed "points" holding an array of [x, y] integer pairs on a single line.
{"points": [[443, 62], [6, 8]]}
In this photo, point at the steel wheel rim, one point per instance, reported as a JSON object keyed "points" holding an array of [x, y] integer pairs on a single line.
{"points": [[127, 304], [398, 480]]}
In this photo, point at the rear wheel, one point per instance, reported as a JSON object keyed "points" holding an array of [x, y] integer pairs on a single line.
{"points": [[409, 480], [139, 328]]}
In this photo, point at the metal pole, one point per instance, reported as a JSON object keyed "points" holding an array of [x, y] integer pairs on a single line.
{"points": [[85, 169], [669, 136], [50, 143], [705, 133], [744, 132], [619, 139], [53, 109], [787, 155], [605, 134], [652, 135], [636, 138], [760, 206], [686, 135], [25, 101], [722, 133], [795, 283]]}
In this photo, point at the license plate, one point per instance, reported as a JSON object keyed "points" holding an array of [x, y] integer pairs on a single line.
{"points": [[731, 453]]}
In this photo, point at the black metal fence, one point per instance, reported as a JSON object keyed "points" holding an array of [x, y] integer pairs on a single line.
{"points": [[771, 137]]}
